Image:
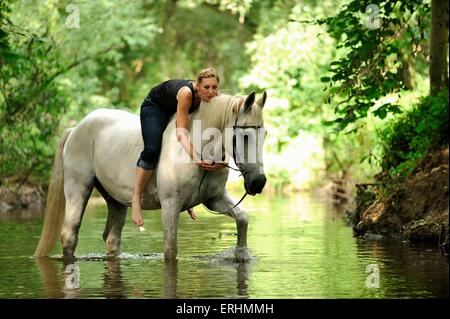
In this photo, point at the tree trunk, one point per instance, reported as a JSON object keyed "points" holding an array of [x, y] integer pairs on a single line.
{"points": [[168, 11], [407, 72], [438, 46]]}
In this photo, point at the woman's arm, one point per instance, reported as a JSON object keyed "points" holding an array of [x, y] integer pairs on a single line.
{"points": [[184, 97]]}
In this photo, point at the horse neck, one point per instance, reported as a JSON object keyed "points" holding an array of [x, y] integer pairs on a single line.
{"points": [[219, 112]]}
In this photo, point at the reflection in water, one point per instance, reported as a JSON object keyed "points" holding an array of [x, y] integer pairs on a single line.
{"points": [[242, 279], [113, 280], [420, 271], [59, 279], [51, 277], [64, 279], [221, 270], [170, 278], [302, 249], [20, 215]]}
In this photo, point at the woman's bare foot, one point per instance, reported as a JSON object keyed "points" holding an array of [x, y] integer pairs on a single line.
{"points": [[191, 213], [136, 214]]}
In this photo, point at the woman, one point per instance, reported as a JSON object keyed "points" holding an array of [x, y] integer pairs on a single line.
{"points": [[173, 96]]}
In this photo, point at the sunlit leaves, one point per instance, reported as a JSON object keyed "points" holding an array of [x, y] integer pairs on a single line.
{"points": [[49, 65], [240, 7], [289, 62], [413, 134], [374, 56]]}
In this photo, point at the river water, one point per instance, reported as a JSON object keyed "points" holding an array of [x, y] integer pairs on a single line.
{"points": [[300, 249]]}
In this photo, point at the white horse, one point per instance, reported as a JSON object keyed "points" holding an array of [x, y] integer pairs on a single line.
{"points": [[102, 151]]}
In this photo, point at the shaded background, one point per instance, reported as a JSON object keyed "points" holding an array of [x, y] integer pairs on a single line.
{"points": [[357, 95], [328, 66]]}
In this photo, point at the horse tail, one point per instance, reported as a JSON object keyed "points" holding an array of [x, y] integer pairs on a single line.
{"points": [[55, 206]]}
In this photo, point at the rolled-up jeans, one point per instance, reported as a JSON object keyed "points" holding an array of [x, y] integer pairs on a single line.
{"points": [[153, 123]]}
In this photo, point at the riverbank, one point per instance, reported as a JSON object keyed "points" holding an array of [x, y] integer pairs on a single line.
{"points": [[416, 210], [25, 196]]}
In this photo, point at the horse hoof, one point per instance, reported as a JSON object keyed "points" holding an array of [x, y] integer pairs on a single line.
{"points": [[242, 255], [68, 260]]}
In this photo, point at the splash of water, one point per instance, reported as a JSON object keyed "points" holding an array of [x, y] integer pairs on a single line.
{"points": [[233, 255]]}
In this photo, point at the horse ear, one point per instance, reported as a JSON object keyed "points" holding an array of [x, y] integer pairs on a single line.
{"points": [[249, 100], [262, 100]]}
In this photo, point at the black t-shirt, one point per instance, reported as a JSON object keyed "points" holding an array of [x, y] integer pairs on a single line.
{"points": [[164, 95]]}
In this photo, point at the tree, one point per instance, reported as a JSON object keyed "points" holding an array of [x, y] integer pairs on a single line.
{"points": [[439, 46], [43, 58], [375, 39]]}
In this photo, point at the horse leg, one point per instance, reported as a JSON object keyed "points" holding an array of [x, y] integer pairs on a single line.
{"points": [[223, 203], [77, 191], [117, 214], [170, 215]]}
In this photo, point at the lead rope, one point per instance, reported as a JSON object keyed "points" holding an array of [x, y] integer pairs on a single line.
{"points": [[226, 212]]}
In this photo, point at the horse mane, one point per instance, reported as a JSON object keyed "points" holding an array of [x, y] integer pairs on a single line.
{"points": [[218, 111]]}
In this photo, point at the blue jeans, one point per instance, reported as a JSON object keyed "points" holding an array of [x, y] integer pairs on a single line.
{"points": [[153, 123]]}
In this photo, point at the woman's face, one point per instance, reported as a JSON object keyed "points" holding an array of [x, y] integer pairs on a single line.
{"points": [[207, 89]]}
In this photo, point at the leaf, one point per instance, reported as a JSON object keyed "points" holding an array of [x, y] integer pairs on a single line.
{"points": [[394, 108], [332, 122], [336, 77], [381, 112], [420, 128], [364, 158]]}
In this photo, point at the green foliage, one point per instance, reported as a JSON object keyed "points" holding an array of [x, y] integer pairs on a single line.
{"points": [[51, 75], [412, 135], [43, 59], [279, 178], [378, 45], [288, 61], [214, 39], [290, 58], [31, 103], [240, 7]]}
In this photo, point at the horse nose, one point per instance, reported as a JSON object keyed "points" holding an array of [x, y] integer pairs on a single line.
{"points": [[257, 185]]}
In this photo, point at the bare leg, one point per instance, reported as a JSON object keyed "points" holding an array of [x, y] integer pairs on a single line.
{"points": [[142, 178]]}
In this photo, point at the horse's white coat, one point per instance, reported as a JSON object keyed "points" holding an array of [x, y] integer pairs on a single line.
{"points": [[107, 143]]}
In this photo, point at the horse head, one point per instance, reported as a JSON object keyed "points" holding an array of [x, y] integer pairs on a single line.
{"points": [[247, 141]]}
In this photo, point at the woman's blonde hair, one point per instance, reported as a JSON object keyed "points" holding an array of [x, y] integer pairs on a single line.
{"points": [[207, 73]]}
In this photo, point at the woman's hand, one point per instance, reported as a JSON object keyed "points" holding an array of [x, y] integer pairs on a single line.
{"points": [[210, 166]]}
